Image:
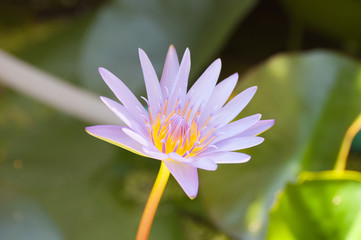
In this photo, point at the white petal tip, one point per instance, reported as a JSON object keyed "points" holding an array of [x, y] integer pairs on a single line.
{"points": [[103, 71], [90, 129], [246, 159], [192, 197], [187, 52], [233, 79], [250, 91], [213, 168], [172, 52], [254, 88], [141, 53], [258, 116], [269, 123]]}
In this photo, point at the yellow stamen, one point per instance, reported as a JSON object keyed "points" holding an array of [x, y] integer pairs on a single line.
{"points": [[208, 134], [175, 132]]}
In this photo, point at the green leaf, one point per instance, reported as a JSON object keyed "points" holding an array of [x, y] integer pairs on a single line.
{"points": [[58, 50], [58, 182], [121, 27], [314, 97], [111, 35], [356, 144], [340, 19], [323, 205], [22, 218]]}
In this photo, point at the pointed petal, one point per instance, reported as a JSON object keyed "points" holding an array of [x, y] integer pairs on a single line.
{"points": [[137, 137], [116, 136], [129, 118], [202, 89], [234, 128], [153, 152], [154, 93], [170, 70], [177, 157], [204, 163], [258, 128], [179, 87], [122, 92], [237, 143], [234, 107], [227, 157], [220, 95], [183, 72], [186, 176]]}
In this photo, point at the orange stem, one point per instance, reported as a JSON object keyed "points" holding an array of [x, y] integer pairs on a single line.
{"points": [[152, 203]]}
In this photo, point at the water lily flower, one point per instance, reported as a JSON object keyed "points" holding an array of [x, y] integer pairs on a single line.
{"points": [[186, 130]]}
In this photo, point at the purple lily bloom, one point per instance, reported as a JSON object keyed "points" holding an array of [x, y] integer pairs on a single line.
{"points": [[186, 130]]}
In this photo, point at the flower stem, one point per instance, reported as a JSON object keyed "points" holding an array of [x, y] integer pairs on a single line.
{"points": [[346, 144], [152, 203]]}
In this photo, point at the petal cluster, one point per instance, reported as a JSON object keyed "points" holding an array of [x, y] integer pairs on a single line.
{"points": [[185, 129]]}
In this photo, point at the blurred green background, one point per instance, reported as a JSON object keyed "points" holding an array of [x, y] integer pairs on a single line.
{"points": [[57, 182]]}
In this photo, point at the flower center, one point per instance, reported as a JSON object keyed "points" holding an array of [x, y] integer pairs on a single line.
{"points": [[179, 132]]}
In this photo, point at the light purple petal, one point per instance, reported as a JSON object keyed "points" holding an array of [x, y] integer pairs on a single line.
{"points": [[221, 93], [154, 93], [234, 128], [227, 157], [179, 87], [137, 137], [237, 143], [202, 89], [153, 152], [234, 107], [122, 92], [186, 176], [204, 163], [258, 128], [116, 136], [170, 71], [135, 122], [177, 157]]}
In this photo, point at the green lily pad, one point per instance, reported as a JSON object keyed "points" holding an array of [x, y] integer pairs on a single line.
{"points": [[22, 218], [340, 19], [324, 205], [121, 27], [314, 97], [60, 183], [111, 35]]}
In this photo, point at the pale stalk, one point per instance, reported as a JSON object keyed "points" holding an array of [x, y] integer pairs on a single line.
{"points": [[152, 203], [53, 91], [346, 144]]}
